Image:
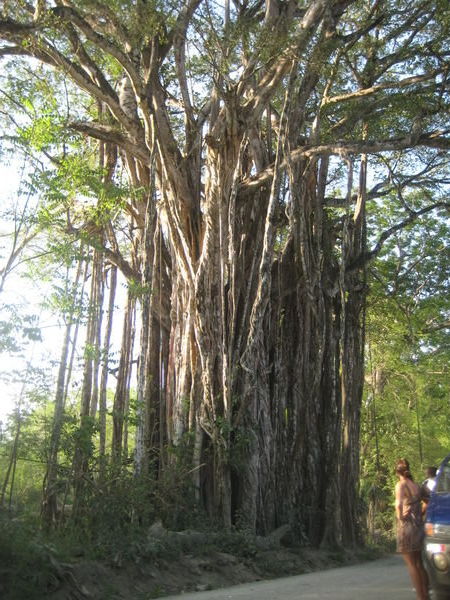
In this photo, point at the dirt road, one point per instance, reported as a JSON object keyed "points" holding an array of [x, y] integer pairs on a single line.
{"points": [[384, 579]]}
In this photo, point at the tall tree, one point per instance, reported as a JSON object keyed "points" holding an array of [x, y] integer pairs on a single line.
{"points": [[248, 132]]}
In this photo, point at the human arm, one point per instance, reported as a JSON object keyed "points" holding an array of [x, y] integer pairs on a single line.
{"points": [[398, 500]]}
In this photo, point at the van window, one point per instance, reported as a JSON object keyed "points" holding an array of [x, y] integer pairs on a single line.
{"points": [[443, 481]]}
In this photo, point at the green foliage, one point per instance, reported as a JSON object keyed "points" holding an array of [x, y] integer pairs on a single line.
{"points": [[26, 561], [173, 492], [78, 187], [116, 510], [138, 289], [30, 450], [17, 329], [61, 301], [242, 439], [406, 406], [239, 541]]}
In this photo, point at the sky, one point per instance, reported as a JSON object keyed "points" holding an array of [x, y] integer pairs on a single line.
{"points": [[22, 292]]}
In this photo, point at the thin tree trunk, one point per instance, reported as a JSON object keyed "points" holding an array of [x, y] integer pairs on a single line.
{"points": [[49, 509], [145, 374], [121, 397], [105, 370], [84, 448], [10, 472], [77, 326], [97, 333]]}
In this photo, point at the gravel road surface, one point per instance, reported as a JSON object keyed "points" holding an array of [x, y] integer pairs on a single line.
{"points": [[383, 579]]}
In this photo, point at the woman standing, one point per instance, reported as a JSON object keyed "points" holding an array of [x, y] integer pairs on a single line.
{"points": [[408, 510]]}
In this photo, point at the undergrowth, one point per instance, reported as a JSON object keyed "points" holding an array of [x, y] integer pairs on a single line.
{"points": [[122, 524], [27, 565]]}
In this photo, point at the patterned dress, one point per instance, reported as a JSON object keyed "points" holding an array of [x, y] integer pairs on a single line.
{"points": [[410, 532]]}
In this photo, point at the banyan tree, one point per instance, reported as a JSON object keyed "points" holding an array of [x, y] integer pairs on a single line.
{"points": [[255, 135]]}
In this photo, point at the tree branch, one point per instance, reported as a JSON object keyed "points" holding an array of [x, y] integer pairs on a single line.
{"points": [[383, 86], [432, 139], [181, 25], [309, 24], [70, 15], [367, 256], [117, 259], [107, 133], [436, 327], [8, 28], [42, 50]]}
